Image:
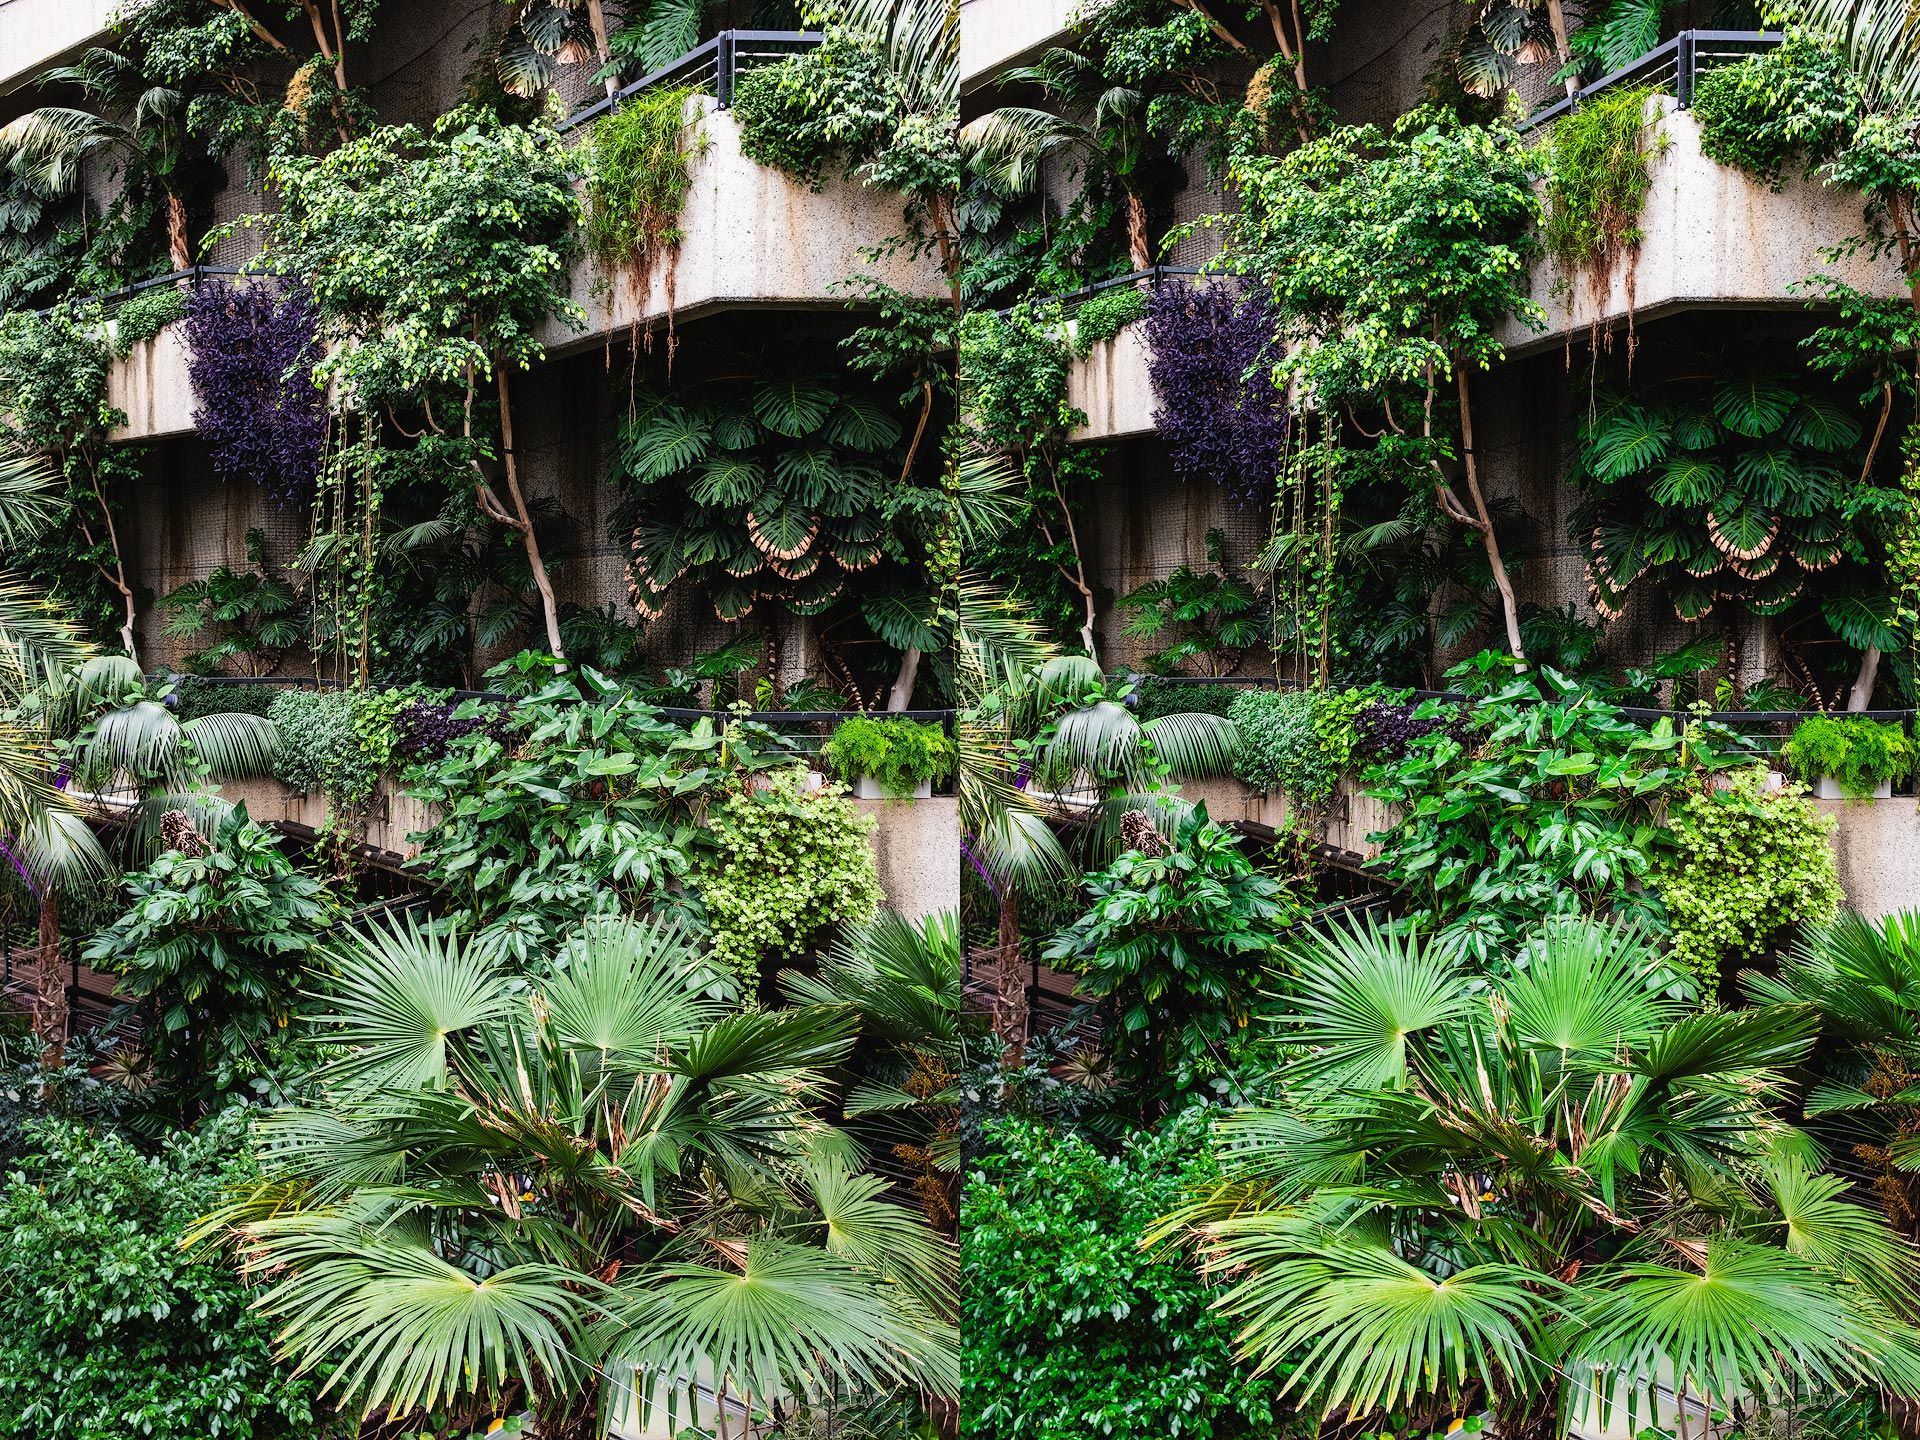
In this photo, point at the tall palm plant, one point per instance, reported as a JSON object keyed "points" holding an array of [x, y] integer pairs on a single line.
{"points": [[610, 1184], [1862, 978], [143, 123], [1546, 1196], [1881, 41]]}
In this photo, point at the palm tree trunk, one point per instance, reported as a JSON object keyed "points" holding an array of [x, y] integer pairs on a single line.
{"points": [[178, 250], [597, 18], [901, 696], [1137, 246], [1010, 998], [50, 987], [1557, 18]]}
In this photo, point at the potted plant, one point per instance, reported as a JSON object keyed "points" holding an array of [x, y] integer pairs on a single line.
{"points": [[890, 758], [1850, 756]]}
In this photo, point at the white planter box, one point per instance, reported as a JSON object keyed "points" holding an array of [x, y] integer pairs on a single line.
{"points": [[1828, 788], [868, 788]]}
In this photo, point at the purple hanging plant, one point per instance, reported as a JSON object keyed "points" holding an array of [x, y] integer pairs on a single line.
{"points": [[1211, 353], [254, 347]]}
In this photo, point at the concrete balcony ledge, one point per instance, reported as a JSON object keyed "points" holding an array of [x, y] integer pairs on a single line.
{"points": [[1111, 387], [1713, 239], [754, 239], [997, 33], [37, 33]]}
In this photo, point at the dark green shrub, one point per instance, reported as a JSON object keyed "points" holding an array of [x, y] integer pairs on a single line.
{"points": [[1105, 315], [1295, 741], [1180, 938], [899, 754], [1072, 1329], [194, 696], [213, 946], [1157, 697], [109, 1329]]}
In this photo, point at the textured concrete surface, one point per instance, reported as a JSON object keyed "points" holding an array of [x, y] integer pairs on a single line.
{"points": [[1877, 845], [152, 388], [997, 33], [1112, 388], [1713, 239], [754, 237], [38, 33], [390, 819], [1351, 816], [917, 845]]}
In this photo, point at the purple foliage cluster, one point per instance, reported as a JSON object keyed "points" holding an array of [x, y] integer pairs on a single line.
{"points": [[254, 347], [424, 730], [1386, 729], [1211, 360]]}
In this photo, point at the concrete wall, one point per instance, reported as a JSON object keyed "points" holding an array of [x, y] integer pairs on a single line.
{"points": [[1714, 238], [916, 844], [1111, 386], [152, 388], [1351, 817], [1877, 846], [997, 33], [37, 33]]}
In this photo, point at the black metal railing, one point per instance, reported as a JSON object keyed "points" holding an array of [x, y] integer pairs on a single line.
{"points": [[1152, 275], [1673, 66], [713, 67]]}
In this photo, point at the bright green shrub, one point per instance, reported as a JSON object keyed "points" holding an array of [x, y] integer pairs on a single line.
{"points": [[899, 754], [338, 741], [109, 1330], [1857, 752], [637, 180], [1074, 1330], [1795, 102], [785, 866], [1745, 865], [145, 316]]}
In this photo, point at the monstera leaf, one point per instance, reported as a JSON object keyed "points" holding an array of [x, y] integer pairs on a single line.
{"points": [[1863, 621], [731, 482], [862, 425], [903, 621], [664, 440], [1822, 425], [1628, 440], [1753, 406], [793, 408], [1690, 480]]}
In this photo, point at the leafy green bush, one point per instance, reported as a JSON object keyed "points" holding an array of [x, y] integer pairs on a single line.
{"points": [[215, 940], [1156, 697], [1539, 800], [786, 865], [108, 1327], [899, 754], [195, 696], [1180, 937], [337, 741], [145, 315], [1857, 752], [1297, 741], [1797, 101], [1216, 618], [834, 102], [1072, 1328], [1105, 315], [1744, 866], [563, 810]]}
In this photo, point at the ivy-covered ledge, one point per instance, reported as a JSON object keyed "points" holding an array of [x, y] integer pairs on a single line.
{"points": [[1111, 387], [1712, 237], [997, 33], [37, 33], [751, 237]]}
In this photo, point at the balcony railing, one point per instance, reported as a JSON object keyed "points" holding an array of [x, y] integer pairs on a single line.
{"points": [[1672, 67], [713, 66]]}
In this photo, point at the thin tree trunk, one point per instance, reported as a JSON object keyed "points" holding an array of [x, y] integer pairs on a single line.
{"points": [[1861, 696], [524, 521], [1557, 18], [1010, 996], [901, 696], [1501, 581], [50, 983], [178, 250], [597, 18], [1137, 246]]}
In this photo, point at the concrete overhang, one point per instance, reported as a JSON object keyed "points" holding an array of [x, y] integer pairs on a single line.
{"points": [[1112, 388], [35, 34], [1712, 238], [997, 33], [753, 239]]}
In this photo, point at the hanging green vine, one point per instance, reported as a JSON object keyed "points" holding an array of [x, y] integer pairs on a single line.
{"points": [[1597, 181], [638, 177]]}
